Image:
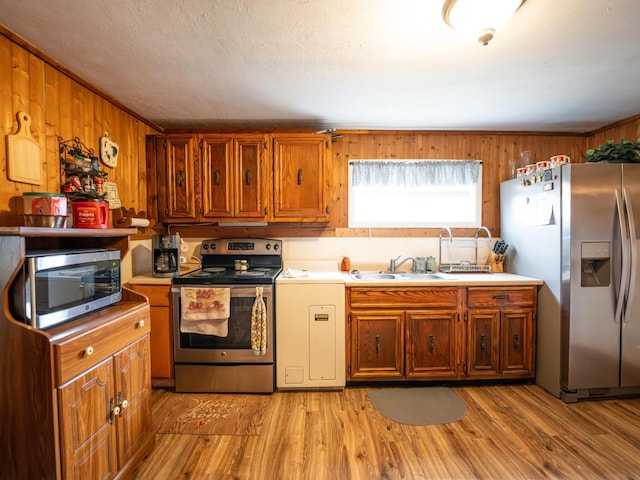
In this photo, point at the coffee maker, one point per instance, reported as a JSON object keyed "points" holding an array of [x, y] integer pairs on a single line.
{"points": [[166, 255]]}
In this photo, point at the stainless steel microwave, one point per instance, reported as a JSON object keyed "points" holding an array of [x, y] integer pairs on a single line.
{"points": [[54, 286]]}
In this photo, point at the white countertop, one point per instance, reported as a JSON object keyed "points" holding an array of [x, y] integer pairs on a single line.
{"points": [[450, 279], [149, 279], [444, 279], [308, 276]]}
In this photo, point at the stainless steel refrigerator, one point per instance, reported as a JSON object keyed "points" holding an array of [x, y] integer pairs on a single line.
{"points": [[577, 228]]}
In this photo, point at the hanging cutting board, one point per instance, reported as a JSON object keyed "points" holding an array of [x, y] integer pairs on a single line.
{"points": [[23, 154]]}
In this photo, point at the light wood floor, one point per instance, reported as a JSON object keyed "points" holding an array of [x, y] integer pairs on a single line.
{"points": [[509, 432]]}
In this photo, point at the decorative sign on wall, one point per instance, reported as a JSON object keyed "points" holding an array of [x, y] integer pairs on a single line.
{"points": [[108, 151]]}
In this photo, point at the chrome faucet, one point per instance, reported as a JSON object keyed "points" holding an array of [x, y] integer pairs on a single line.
{"points": [[393, 265]]}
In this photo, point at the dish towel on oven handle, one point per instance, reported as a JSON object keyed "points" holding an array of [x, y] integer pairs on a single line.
{"points": [[259, 325], [205, 310]]}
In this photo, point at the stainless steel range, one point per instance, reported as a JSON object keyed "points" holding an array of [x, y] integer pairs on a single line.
{"points": [[223, 317]]}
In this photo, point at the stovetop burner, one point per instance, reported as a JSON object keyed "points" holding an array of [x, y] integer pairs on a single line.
{"points": [[219, 256], [213, 270]]}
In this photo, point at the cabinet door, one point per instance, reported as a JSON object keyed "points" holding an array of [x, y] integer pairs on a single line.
{"points": [[87, 433], [177, 179], [217, 176], [161, 332], [377, 348], [483, 342], [251, 176], [133, 387], [431, 343], [300, 178], [516, 351]]}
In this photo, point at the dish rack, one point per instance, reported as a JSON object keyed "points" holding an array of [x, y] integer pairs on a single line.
{"points": [[452, 243]]}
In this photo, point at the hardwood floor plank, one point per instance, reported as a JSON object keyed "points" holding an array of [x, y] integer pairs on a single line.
{"points": [[509, 432]]}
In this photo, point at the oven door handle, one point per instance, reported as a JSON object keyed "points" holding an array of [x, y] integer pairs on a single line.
{"points": [[236, 290]]}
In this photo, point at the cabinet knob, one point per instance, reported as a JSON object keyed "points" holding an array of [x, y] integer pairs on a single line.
{"points": [[116, 411], [140, 324], [124, 404], [88, 351]]}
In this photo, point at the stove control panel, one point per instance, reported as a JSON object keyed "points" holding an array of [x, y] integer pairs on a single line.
{"points": [[254, 246]]}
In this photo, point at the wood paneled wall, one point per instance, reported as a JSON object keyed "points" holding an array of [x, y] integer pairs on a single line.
{"points": [[494, 149], [61, 106]]}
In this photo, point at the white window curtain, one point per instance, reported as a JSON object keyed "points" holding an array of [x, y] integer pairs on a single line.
{"points": [[414, 173], [415, 193]]}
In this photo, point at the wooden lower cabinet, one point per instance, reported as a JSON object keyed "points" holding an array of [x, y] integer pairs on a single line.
{"points": [[377, 347], [440, 333], [104, 396], [431, 346], [412, 335], [501, 332], [105, 415], [161, 330]]}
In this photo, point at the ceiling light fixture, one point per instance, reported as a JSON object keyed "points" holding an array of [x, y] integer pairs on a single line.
{"points": [[480, 19]]}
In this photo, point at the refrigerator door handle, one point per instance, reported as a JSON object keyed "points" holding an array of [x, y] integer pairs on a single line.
{"points": [[633, 260], [624, 277]]}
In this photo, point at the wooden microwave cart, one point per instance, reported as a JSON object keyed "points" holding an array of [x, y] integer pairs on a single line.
{"points": [[76, 398]]}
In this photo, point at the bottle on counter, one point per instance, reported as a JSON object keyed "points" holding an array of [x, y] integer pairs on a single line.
{"points": [[345, 266]]}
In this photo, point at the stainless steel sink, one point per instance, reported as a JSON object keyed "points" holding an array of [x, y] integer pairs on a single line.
{"points": [[421, 276], [376, 276]]}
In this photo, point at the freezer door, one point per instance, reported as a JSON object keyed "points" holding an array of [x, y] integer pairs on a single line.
{"points": [[590, 252], [630, 351]]}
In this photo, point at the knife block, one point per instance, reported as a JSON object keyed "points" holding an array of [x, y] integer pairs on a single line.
{"points": [[496, 261]]}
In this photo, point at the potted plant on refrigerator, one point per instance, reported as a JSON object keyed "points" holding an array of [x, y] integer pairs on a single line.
{"points": [[623, 151]]}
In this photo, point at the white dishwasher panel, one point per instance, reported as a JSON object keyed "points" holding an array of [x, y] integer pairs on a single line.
{"points": [[322, 342], [310, 332]]}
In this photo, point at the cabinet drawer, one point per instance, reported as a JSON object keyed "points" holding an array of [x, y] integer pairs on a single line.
{"points": [[158, 295], [501, 297], [77, 353], [404, 297]]}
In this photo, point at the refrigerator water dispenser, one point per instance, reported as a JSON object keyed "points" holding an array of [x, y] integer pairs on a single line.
{"points": [[595, 267]]}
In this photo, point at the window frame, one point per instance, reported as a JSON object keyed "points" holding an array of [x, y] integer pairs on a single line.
{"points": [[415, 224]]}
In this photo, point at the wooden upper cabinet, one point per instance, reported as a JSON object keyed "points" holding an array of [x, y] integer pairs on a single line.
{"points": [[217, 176], [210, 177], [251, 176], [177, 180], [207, 177], [300, 169]]}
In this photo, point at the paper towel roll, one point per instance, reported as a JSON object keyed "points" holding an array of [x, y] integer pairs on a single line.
{"points": [[125, 222]]}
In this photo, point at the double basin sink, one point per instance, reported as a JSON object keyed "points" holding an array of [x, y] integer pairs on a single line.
{"points": [[399, 276]]}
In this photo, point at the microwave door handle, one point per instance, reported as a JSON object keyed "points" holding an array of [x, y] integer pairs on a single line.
{"points": [[624, 277], [633, 259]]}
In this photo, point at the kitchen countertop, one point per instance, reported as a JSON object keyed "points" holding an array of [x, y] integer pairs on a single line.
{"points": [[450, 279], [149, 279], [444, 279]]}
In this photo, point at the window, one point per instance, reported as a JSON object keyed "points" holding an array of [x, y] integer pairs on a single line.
{"points": [[415, 193]]}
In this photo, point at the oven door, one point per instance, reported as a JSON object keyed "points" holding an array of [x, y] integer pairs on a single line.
{"points": [[236, 346]]}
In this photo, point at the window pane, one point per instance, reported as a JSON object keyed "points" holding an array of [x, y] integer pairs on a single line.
{"points": [[416, 200]]}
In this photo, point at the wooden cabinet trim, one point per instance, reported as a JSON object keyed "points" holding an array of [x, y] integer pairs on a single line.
{"points": [[500, 297], [408, 297]]}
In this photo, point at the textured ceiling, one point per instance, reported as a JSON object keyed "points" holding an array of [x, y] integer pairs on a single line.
{"points": [[559, 65]]}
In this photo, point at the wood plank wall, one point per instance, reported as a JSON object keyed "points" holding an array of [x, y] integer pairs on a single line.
{"points": [[493, 148], [61, 106]]}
